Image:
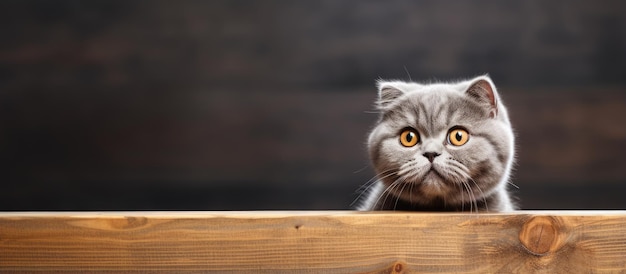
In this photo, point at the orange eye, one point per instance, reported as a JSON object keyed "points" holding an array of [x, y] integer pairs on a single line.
{"points": [[409, 138], [458, 137]]}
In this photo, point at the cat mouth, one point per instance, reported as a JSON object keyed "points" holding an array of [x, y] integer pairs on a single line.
{"points": [[432, 172], [427, 175], [435, 183]]}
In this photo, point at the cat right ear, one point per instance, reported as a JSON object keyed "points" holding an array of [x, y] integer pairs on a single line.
{"points": [[483, 90], [387, 94]]}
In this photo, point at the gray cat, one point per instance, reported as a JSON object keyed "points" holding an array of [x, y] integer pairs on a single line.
{"points": [[440, 147]]}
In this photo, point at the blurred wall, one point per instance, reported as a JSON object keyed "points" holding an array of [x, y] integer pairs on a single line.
{"points": [[213, 105]]}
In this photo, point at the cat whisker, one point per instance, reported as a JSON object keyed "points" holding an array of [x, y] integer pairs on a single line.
{"points": [[458, 164], [482, 194], [372, 112], [398, 196], [460, 181], [376, 178], [473, 205], [407, 73], [388, 190], [383, 193], [411, 193], [394, 191], [467, 178], [461, 190], [474, 199], [359, 170], [466, 189], [460, 174], [407, 167], [411, 172], [372, 182]]}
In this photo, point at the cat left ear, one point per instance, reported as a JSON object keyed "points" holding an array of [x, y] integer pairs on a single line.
{"points": [[484, 92], [387, 94]]}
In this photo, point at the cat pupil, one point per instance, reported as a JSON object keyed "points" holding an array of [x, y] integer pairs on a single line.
{"points": [[409, 137], [458, 136]]}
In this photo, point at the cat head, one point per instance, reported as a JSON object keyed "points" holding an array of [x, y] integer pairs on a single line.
{"points": [[449, 142]]}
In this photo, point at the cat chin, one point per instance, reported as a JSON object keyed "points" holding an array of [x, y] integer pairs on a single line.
{"points": [[430, 185], [433, 185]]}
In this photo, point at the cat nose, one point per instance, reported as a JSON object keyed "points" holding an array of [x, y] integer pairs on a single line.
{"points": [[431, 156]]}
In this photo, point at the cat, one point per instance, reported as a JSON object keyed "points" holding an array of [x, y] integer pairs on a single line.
{"points": [[440, 147]]}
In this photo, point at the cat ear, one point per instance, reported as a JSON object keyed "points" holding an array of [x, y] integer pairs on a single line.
{"points": [[388, 92], [483, 90]]}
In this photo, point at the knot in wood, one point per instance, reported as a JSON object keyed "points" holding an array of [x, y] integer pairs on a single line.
{"points": [[398, 267], [539, 235]]}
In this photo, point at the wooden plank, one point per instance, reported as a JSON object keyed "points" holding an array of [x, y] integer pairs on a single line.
{"points": [[324, 241]]}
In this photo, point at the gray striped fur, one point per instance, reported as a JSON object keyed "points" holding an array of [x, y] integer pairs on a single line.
{"points": [[471, 177]]}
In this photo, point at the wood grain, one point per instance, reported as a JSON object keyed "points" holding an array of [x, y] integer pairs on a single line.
{"points": [[324, 241]]}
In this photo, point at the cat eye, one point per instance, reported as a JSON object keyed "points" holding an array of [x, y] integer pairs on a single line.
{"points": [[409, 137], [458, 137]]}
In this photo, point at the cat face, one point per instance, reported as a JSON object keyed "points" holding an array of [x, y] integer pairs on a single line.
{"points": [[441, 142]]}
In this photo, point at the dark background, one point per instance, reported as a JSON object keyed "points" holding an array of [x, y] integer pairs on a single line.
{"points": [[211, 105]]}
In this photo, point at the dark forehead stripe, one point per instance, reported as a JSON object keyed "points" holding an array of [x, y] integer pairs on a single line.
{"points": [[429, 114], [451, 113], [441, 111], [396, 115], [423, 117], [433, 112], [441, 117], [423, 112]]}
